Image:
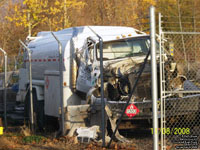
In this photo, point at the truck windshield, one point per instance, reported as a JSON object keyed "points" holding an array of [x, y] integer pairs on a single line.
{"points": [[125, 48]]}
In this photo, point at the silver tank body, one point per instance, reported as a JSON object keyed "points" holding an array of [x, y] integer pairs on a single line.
{"points": [[44, 47]]}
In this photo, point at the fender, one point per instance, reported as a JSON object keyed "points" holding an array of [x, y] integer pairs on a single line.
{"points": [[38, 85], [39, 92]]}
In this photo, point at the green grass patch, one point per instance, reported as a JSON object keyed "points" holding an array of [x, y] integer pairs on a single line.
{"points": [[33, 139]]}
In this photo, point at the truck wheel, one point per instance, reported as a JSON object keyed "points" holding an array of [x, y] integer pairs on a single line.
{"points": [[38, 111]]}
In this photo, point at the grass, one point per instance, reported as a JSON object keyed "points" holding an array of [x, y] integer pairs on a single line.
{"points": [[33, 139]]}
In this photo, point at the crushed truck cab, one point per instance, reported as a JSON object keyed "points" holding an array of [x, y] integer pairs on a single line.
{"points": [[124, 51]]}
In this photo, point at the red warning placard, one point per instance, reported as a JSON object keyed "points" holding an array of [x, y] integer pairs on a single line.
{"points": [[131, 111]]}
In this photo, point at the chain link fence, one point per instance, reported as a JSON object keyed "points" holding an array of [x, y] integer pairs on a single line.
{"points": [[180, 90], [12, 63]]}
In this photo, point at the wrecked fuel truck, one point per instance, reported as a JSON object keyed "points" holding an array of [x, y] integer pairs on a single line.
{"points": [[124, 51]]}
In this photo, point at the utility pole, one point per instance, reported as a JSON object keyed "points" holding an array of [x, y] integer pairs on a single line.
{"points": [[65, 13]]}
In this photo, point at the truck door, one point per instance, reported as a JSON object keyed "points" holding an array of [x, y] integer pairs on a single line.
{"points": [[84, 80]]}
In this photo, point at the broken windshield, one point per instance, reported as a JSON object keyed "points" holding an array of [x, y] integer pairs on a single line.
{"points": [[125, 48]]}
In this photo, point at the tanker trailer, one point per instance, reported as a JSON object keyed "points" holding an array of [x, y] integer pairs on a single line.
{"points": [[124, 51]]}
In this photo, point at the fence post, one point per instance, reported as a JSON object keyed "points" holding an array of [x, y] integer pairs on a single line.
{"points": [[102, 87], [30, 84], [61, 84], [5, 87], [154, 77], [161, 80]]}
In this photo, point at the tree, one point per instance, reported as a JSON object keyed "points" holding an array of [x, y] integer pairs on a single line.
{"points": [[182, 16], [47, 14], [115, 12], [9, 34]]}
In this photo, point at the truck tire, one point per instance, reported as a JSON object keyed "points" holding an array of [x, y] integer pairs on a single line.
{"points": [[38, 111]]}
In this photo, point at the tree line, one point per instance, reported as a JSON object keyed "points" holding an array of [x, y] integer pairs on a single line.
{"points": [[20, 18]]}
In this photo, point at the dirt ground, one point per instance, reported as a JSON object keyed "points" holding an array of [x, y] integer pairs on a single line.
{"points": [[17, 139]]}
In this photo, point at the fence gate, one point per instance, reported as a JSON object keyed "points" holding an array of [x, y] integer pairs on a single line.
{"points": [[179, 83]]}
